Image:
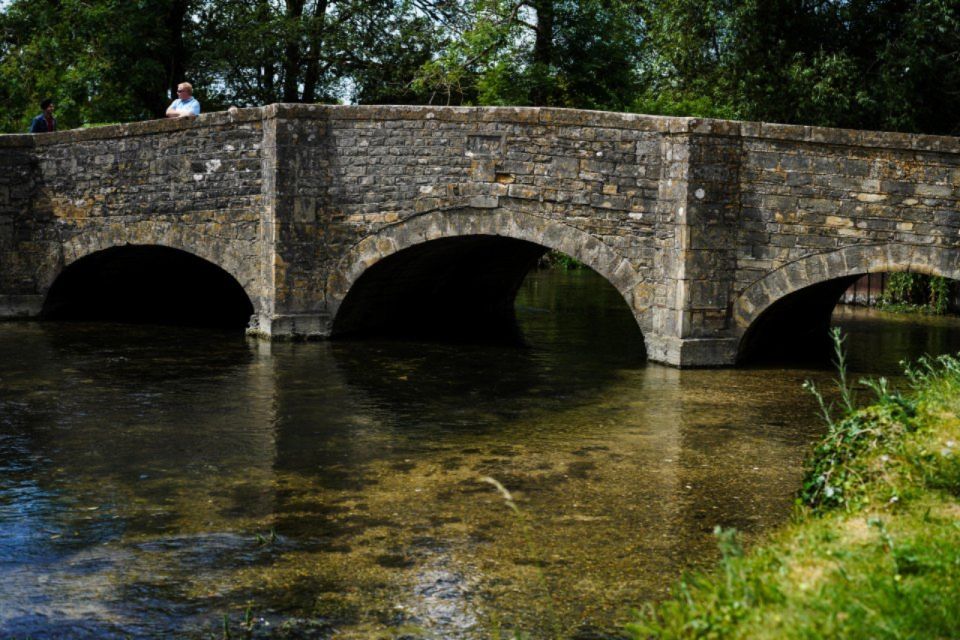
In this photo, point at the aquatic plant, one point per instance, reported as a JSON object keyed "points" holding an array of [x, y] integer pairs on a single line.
{"points": [[264, 540]]}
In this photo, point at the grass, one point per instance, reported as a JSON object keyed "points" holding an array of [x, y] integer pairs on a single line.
{"points": [[874, 549]]}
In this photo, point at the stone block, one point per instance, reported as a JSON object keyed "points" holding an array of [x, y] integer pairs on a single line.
{"points": [[779, 203], [484, 145], [936, 191], [848, 137], [565, 167], [791, 162], [483, 202], [483, 169], [708, 294], [783, 131], [305, 209]]}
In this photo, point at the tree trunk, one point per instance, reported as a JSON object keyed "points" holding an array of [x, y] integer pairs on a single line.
{"points": [[176, 63], [316, 30], [542, 52], [291, 56], [266, 83]]}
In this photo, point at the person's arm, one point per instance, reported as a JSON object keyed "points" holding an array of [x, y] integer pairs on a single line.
{"points": [[35, 126], [195, 107], [172, 112]]}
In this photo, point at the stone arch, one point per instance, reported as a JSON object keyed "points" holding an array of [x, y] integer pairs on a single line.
{"points": [[841, 266], [503, 223], [146, 283], [170, 235]]}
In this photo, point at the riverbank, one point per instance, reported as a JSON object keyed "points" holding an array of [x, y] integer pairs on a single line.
{"points": [[874, 549]]}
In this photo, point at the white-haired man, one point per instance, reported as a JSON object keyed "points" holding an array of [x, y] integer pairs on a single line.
{"points": [[185, 106]]}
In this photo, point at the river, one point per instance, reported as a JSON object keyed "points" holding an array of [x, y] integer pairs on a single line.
{"points": [[166, 482]]}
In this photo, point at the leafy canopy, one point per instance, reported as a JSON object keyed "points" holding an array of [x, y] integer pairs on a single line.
{"points": [[875, 64]]}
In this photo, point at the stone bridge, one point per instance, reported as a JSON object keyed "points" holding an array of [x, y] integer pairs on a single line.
{"points": [[724, 238]]}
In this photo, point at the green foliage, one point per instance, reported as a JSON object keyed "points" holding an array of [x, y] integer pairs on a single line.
{"points": [[485, 36], [903, 287], [937, 460], [254, 52], [939, 298], [683, 105], [835, 474], [708, 605], [561, 261], [99, 61], [113, 61], [887, 564], [916, 292], [874, 64], [562, 53], [865, 63]]}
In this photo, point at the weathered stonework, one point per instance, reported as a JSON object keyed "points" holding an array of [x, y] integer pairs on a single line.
{"points": [[702, 225]]}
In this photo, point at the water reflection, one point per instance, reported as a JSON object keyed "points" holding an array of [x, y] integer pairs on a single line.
{"points": [[879, 341], [153, 480]]}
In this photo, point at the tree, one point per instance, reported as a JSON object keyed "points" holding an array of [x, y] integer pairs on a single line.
{"points": [[872, 64], [101, 61], [540, 52], [876, 64], [112, 60], [259, 52]]}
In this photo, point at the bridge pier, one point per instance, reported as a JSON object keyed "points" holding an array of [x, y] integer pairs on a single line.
{"points": [[303, 326], [20, 306], [692, 352]]}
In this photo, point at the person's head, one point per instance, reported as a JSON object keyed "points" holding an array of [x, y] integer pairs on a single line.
{"points": [[184, 90], [47, 106]]}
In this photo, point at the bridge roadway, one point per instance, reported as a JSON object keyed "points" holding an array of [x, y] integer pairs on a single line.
{"points": [[724, 238]]}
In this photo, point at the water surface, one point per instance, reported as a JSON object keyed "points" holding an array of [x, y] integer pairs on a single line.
{"points": [[154, 480]]}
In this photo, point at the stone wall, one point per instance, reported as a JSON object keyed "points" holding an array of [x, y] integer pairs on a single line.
{"points": [[194, 186], [355, 184], [818, 204], [21, 236], [701, 225]]}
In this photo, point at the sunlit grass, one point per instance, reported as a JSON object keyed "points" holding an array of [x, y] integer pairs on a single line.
{"points": [[874, 551]]}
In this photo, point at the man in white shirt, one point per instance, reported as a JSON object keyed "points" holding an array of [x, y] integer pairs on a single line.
{"points": [[185, 106]]}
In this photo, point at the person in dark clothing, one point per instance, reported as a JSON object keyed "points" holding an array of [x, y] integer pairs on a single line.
{"points": [[45, 122]]}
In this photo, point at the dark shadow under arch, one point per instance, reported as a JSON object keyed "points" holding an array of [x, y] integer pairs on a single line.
{"points": [[795, 327], [460, 288], [783, 316], [148, 284]]}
